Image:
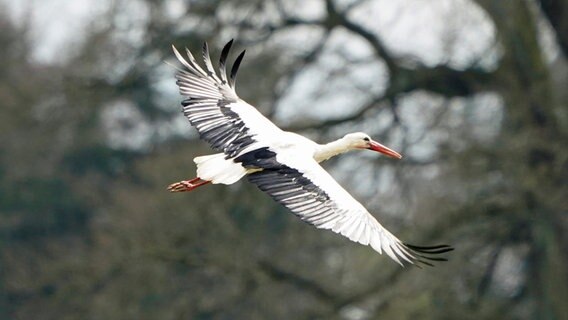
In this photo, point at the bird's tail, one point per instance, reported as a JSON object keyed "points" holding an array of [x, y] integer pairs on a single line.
{"points": [[217, 169]]}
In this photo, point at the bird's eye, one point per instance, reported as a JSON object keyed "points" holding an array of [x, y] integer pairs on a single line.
{"points": [[366, 139]]}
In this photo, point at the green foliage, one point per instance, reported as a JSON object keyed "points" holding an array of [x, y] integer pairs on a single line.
{"points": [[41, 207], [98, 158]]}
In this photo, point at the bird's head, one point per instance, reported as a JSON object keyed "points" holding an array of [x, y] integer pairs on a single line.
{"points": [[360, 140]]}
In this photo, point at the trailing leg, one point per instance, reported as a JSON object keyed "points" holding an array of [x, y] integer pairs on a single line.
{"points": [[187, 185]]}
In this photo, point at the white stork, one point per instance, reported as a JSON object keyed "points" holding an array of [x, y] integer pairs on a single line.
{"points": [[283, 164]]}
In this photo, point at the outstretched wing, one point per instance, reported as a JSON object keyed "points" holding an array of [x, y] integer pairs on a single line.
{"points": [[303, 186], [212, 106]]}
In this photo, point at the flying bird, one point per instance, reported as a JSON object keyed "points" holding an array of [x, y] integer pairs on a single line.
{"points": [[283, 164]]}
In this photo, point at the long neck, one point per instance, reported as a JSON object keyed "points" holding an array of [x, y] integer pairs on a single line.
{"points": [[326, 151]]}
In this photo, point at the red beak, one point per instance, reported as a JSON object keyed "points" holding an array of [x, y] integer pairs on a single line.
{"points": [[375, 146]]}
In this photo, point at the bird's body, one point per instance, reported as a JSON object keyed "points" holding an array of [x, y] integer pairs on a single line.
{"points": [[285, 165], [218, 169]]}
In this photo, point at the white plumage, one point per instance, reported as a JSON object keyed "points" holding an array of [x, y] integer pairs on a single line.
{"points": [[282, 164], [217, 169]]}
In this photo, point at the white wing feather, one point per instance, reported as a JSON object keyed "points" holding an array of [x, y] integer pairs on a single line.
{"points": [[297, 181]]}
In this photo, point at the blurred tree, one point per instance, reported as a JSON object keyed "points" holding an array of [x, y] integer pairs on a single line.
{"points": [[87, 230]]}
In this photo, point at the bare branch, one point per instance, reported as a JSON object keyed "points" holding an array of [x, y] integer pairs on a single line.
{"points": [[353, 5], [336, 18], [289, 78], [318, 124]]}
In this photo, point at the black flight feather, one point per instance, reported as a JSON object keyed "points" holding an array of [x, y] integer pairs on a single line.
{"points": [[223, 60], [421, 252], [235, 68]]}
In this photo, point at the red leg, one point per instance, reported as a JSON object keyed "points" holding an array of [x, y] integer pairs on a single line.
{"points": [[187, 185]]}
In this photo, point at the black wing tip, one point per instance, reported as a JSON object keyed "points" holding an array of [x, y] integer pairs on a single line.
{"points": [[238, 62], [223, 59], [235, 67], [424, 253], [430, 249], [225, 52]]}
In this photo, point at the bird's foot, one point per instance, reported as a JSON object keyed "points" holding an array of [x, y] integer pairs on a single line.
{"points": [[187, 185]]}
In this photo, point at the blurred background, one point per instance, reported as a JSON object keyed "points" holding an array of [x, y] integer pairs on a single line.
{"points": [[472, 92]]}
